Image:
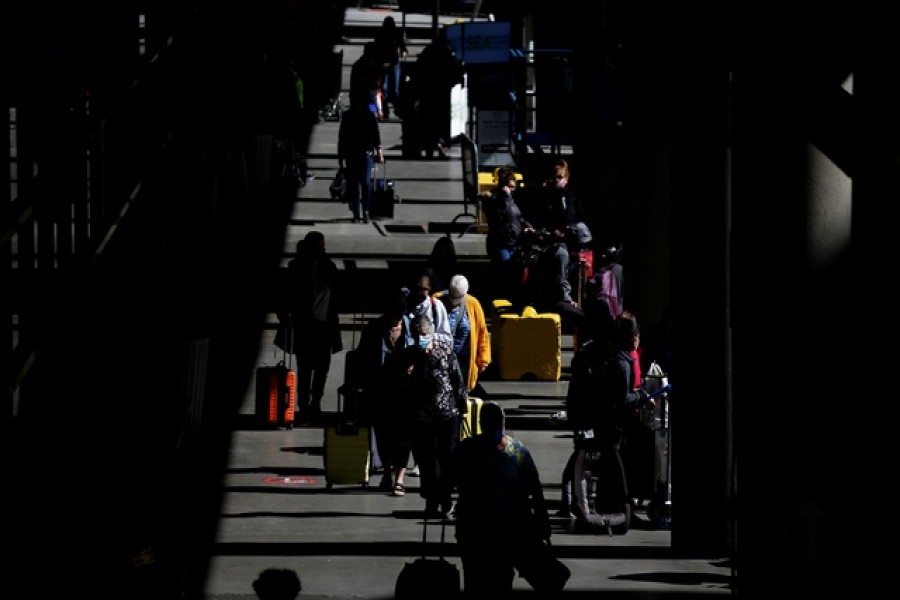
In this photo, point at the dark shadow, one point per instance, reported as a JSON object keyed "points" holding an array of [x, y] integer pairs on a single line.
{"points": [[705, 579], [415, 548], [277, 584]]}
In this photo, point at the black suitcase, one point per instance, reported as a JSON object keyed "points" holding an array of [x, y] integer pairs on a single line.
{"points": [[429, 577], [383, 195]]}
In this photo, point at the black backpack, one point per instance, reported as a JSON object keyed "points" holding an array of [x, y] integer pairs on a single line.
{"points": [[584, 404]]}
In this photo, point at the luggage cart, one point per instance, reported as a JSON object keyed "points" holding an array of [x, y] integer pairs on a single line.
{"points": [[646, 453]]}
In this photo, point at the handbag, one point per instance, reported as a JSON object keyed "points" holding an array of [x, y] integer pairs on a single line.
{"points": [[539, 566], [338, 187]]}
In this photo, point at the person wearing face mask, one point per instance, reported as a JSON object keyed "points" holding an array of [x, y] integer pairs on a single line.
{"points": [[421, 302], [436, 392], [468, 326]]}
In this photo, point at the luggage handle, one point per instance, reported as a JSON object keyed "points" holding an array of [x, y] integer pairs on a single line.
{"points": [[287, 360], [425, 533], [343, 425], [375, 171], [288, 357]]}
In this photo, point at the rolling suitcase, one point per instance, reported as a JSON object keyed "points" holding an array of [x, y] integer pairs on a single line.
{"points": [[347, 443], [383, 195], [276, 389], [429, 577]]}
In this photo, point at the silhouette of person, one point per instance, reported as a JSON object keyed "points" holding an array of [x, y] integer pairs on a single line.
{"points": [[437, 70], [313, 312], [365, 80], [391, 48], [500, 501], [359, 146], [442, 263]]}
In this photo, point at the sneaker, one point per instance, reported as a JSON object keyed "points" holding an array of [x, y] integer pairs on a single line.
{"points": [[560, 416], [414, 472]]}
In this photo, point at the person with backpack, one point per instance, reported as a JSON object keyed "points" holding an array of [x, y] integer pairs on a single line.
{"points": [[501, 513], [601, 397]]}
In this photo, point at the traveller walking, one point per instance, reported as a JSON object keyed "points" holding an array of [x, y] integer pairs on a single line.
{"points": [[500, 510], [312, 310], [359, 147], [365, 80], [437, 393], [468, 326], [390, 45], [421, 302], [380, 349]]}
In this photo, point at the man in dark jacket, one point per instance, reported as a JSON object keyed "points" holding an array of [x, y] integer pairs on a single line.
{"points": [[501, 512]]}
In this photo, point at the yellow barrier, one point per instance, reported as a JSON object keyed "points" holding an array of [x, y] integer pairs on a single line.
{"points": [[526, 345]]}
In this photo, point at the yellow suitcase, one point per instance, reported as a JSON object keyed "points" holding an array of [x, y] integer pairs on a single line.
{"points": [[347, 444]]}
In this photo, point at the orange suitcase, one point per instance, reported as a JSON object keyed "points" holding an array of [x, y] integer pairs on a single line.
{"points": [[276, 390], [276, 395]]}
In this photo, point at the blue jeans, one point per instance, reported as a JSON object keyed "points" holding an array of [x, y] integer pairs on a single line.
{"points": [[359, 172], [391, 84]]}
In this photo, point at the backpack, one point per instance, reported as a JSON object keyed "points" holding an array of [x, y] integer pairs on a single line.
{"points": [[583, 404], [603, 289]]}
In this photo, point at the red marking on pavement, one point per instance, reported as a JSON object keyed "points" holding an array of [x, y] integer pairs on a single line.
{"points": [[289, 480]]}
